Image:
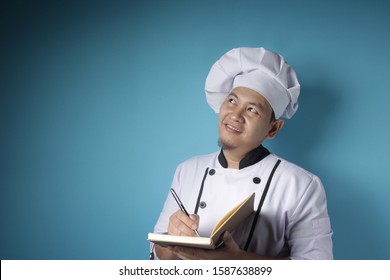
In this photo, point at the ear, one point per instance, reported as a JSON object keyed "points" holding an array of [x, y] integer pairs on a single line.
{"points": [[276, 126]]}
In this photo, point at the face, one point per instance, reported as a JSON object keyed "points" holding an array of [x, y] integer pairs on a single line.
{"points": [[245, 120]]}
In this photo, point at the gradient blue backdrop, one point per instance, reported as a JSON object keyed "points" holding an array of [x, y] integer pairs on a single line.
{"points": [[100, 100]]}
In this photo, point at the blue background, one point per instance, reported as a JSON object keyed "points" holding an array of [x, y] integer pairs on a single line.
{"points": [[100, 100]]}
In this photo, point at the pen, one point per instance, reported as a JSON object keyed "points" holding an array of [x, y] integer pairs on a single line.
{"points": [[176, 197]]}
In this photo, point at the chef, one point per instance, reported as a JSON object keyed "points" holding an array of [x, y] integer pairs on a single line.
{"points": [[252, 90]]}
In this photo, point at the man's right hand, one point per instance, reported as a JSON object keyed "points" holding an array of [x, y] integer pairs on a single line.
{"points": [[181, 224]]}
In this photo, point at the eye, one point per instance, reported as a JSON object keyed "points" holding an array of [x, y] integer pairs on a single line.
{"points": [[253, 110], [232, 101]]}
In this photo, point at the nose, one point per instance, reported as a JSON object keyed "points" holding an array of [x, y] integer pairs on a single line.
{"points": [[237, 114]]}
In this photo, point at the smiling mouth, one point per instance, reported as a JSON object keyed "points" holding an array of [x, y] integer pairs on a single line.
{"points": [[232, 128]]}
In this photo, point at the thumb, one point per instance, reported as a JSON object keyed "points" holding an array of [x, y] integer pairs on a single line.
{"points": [[227, 237], [195, 219], [229, 241]]}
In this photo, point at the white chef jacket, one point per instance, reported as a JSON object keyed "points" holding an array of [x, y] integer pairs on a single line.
{"points": [[293, 221]]}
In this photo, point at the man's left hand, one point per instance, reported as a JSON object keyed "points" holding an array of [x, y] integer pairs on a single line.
{"points": [[229, 250]]}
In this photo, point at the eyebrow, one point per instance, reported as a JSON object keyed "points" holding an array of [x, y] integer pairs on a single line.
{"points": [[258, 105]]}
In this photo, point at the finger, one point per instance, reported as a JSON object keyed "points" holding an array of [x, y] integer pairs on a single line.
{"points": [[191, 221], [187, 253], [195, 218], [177, 227], [181, 224]]}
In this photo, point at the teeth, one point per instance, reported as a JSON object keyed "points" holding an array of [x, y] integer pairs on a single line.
{"points": [[234, 128]]}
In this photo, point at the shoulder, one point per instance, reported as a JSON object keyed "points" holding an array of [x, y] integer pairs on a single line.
{"points": [[201, 161], [291, 168], [298, 187], [196, 165], [192, 170], [294, 173]]}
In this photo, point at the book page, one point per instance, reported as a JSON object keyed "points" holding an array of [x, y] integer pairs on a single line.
{"points": [[234, 217], [172, 240]]}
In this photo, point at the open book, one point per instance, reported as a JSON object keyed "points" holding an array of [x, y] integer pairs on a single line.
{"points": [[228, 223]]}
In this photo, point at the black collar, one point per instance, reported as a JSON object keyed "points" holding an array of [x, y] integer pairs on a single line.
{"points": [[251, 158]]}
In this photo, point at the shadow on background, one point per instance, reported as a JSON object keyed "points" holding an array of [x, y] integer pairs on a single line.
{"points": [[354, 217]]}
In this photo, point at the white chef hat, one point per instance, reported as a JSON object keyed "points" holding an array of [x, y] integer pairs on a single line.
{"points": [[260, 70]]}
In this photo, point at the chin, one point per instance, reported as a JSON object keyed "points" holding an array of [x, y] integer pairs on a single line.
{"points": [[226, 145]]}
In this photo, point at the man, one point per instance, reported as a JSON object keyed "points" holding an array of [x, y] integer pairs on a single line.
{"points": [[251, 89]]}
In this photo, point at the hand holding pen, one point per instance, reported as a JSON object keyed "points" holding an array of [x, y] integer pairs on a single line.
{"points": [[182, 208]]}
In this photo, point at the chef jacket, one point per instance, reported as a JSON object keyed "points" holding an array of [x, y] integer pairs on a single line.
{"points": [[293, 221]]}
